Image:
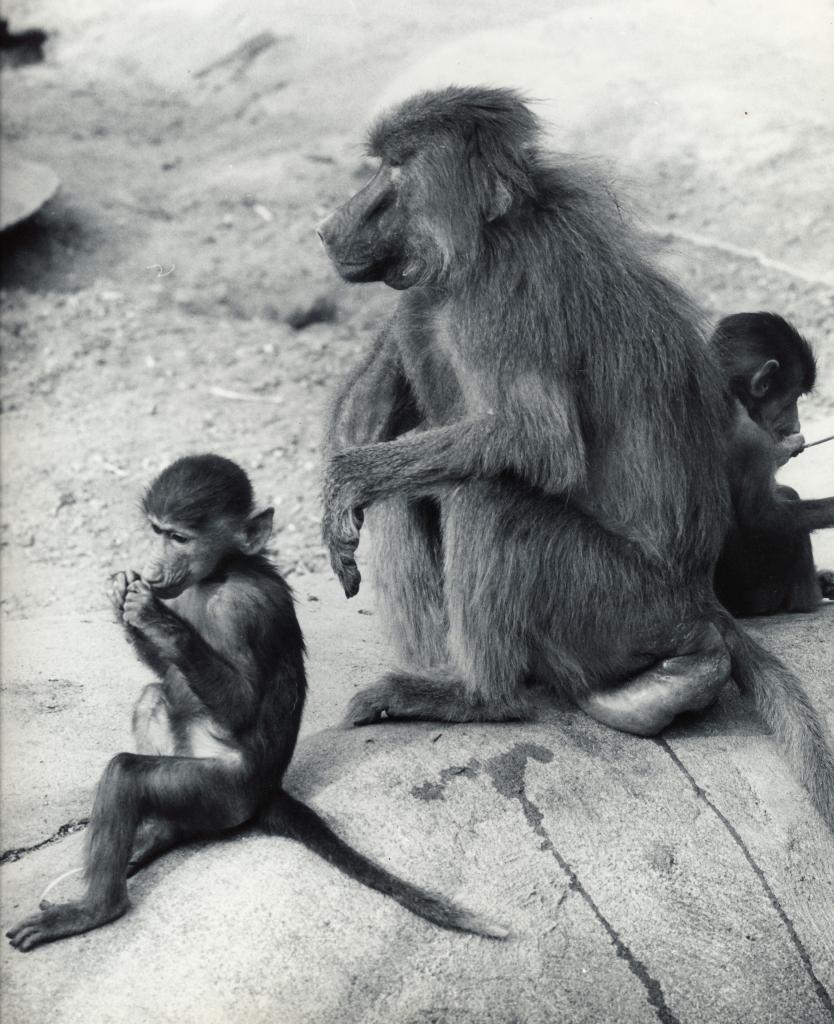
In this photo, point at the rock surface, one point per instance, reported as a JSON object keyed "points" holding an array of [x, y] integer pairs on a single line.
{"points": [[684, 879]]}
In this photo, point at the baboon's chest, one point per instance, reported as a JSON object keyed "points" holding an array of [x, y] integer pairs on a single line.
{"points": [[195, 732], [448, 382]]}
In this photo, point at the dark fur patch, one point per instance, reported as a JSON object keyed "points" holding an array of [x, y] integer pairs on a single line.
{"points": [[198, 488], [744, 341]]}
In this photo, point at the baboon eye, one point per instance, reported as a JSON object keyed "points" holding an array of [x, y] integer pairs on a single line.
{"points": [[155, 528], [178, 538]]}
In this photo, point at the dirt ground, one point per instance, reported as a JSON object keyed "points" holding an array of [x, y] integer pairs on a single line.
{"points": [[173, 296]]}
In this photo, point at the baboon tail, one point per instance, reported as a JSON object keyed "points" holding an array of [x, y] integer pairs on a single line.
{"points": [[779, 698], [286, 816]]}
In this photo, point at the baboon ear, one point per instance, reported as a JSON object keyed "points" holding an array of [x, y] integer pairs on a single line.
{"points": [[501, 201], [763, 377], [257, 531], [494, 197]]}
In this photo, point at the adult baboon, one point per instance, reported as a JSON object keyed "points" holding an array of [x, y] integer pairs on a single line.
{"points": [[543, 431]]}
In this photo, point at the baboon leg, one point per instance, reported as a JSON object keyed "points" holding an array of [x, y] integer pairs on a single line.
{"points": [[437, 695], [406, 570], [484, 668], [805, 589], [155, 837], [778, 575], [532, 585], [688, 680], [200, 793]]}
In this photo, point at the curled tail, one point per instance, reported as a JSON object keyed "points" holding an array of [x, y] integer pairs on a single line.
{"points": [[783, 704], [286, 816]]}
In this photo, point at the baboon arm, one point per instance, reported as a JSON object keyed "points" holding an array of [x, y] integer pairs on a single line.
{"points": [[761, 505], [780, 516], [374, 402], [224, 681], [809, 514], [756, 502], [539, 441], [146, 650], [360, 476], [422, 461]]}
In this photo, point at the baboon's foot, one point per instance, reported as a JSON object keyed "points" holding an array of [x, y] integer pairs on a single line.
{"points": [[688, 681], [59, 920], [433, 697]]}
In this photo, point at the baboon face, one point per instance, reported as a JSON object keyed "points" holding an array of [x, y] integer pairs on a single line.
{"points": [[778, 414], [182, 557], [199, 510], [421, 217], [366, 236], [769, 366]]}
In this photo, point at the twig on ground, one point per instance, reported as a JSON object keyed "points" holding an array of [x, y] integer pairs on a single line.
{"points": [[242, 396]]}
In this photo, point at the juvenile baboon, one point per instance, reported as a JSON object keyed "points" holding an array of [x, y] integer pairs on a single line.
{"points": [[215, 621], [766, 563]]}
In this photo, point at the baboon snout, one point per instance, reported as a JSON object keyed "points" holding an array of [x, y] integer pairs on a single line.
{"points": [[325, 230], [152, 573]]}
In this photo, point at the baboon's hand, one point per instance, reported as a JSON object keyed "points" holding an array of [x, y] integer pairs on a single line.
{"points": [[140, 606], [788, 447], [343, 517], [117, 591], [341, 535]]}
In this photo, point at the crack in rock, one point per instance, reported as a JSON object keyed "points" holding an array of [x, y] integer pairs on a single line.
{"points": [[67, 829], [804, 956], [507, 774]]}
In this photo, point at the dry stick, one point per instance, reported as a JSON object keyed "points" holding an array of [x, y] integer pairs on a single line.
{"points": [[822, 440], [242, 396]]}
